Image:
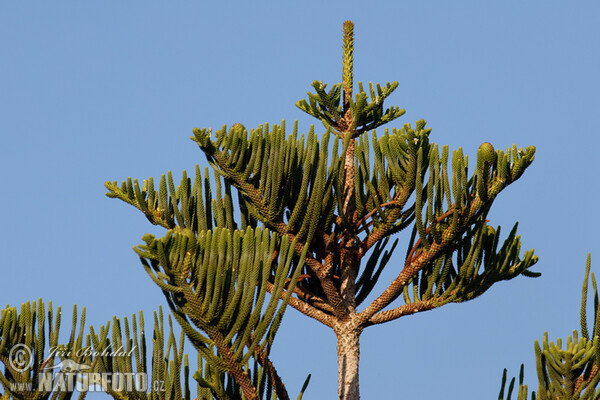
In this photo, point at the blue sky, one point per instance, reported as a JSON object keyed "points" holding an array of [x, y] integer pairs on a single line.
{"points": [[103, 91]]}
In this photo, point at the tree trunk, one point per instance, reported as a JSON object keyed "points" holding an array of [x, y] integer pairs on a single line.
{"points": [[348, 351]]}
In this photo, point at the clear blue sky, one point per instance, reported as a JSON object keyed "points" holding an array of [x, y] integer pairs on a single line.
{"points": [[96, 91]]}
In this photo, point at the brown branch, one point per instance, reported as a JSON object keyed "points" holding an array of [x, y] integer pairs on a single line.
{"points": [[380, 232], [305, 308], [238, 373], [406, 309], [311, 299], [280, 389], [300, 279], [333, 295], [417, 263], [580, 380], [348, 276], [326, 279], [420, 242], [363, 220], [317, 303], [241, 376]]}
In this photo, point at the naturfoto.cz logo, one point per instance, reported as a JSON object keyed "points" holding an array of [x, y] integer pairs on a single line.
{"points": [[70, 376]]}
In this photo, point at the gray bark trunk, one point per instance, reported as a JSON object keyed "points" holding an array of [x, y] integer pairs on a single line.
{"points": [[348, 351]]}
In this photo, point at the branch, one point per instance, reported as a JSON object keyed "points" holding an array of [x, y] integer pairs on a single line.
{"points": [[409, 270], [333, 295], [317, 302], [363, 220], [383, 230], [305, 308], [406, 309], [325, 278], [241, 377], [419, 242], [414, 263], [263, 359]]}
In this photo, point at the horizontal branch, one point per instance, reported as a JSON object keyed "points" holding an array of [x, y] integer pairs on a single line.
{"points": [[406, 309]]}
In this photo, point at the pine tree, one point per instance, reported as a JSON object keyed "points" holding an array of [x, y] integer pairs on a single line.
{"points": [[312, 227], [319, 215]]}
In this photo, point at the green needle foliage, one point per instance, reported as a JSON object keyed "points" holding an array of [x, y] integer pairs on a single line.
{"points": [[312, 224], [567, 373], [216, 285], [120, 350]]}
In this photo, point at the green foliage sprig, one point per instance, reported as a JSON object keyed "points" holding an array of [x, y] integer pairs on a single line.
{"points": [[120, 350], [216, 287], [570, 372]]}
